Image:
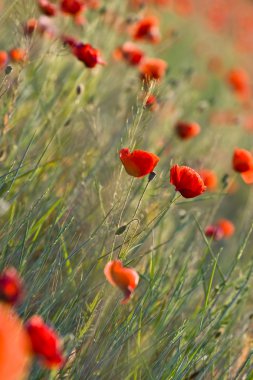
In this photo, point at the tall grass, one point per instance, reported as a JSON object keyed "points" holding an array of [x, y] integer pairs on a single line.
{"points": [[64, 195]]}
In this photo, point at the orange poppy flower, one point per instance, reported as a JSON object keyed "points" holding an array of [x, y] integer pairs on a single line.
{"points": [[48, 8], [152, 68], [186, 130], [45, 342], [18, 55], [138, 163], [3, 58], [15, 350], [242, 160], [11, 286], [88, 55], [209, 178], [147, 29], [124, 278], [227, 227], [240, 82], [187, 181], [129, 52]]}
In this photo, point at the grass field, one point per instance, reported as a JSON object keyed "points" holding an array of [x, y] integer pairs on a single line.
{"points": [[65, 193]]}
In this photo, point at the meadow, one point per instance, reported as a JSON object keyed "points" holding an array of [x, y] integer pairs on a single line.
{"points": [[70, 204]]}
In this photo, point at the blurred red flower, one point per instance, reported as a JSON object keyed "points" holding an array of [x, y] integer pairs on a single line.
{"points": [[11, 286], [151, 103], [222, 229], [45, 342], [72, 7], [30, 26], [209, 178], [18, 55], [146, 29], [138, 163], [47, 7], [129, 52], [152, 68], [239, 80], [242, 160], [3, 58], [124, 278], [88, 55], [186, 130], [15, 350], [187, 181]]}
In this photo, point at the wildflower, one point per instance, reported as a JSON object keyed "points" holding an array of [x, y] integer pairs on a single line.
{"points": [[186, 130], [3, 58], [187, 181], [72, 7], [146, 29], [124, 278], [88, 55], [152, 68], [151, 103], [138, 163], [130, 53], [242, 160], [222, 229], [30, 26], [240, 82], [18, 55], [11, 286], [45, 342], [48, 8], [209, 178], [15, 350]]}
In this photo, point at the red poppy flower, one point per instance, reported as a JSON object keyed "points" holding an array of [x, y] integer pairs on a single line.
{"points": [[130, 53], [152, 68], [15, 350], [187, 181], [124, 278], [11, 286], [88, 55], [18, 55], [242, 160], [240, 82], [3, 58], [45, 342], [209, 178], [147, 29], [47, 8], [30, 26], [152, 103], [186, 130], [72, 7], [138, 163]]}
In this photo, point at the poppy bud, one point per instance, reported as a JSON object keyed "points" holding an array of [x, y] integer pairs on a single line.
{"points": [[151, 103], [138, 163], [187, 181], [49, 9], [186, 130], [72, 7], [88, 55], [121, 230], [11, 286], [30, 26], [124, 278], [214, 232], [45, 342]]}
